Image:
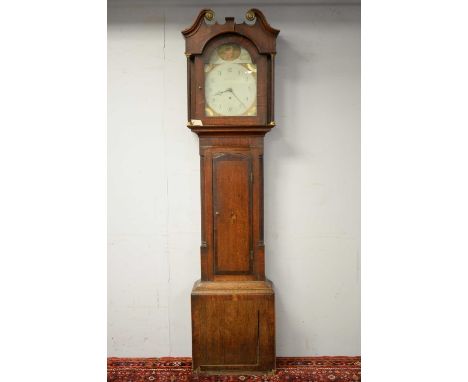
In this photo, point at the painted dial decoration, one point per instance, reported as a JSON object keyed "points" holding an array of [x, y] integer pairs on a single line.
{"points": [[230, 83]]}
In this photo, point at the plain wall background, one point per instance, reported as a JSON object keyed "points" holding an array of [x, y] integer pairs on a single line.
{"points": [[312, 178]]}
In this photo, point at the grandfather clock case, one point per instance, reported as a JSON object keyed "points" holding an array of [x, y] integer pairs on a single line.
{"points": [[230, 78]]}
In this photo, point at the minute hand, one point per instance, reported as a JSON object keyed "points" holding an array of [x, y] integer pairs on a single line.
{"points": [[234, 94]]}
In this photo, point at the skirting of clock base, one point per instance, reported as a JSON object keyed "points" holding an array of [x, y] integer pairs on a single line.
{"points": [[233, 327]]}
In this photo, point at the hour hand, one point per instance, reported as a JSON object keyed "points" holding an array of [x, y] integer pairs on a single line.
{"points": [[224, 91]]}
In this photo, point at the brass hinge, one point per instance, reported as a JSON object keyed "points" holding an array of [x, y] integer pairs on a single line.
{"points": [[251, 254], [251, 177]]}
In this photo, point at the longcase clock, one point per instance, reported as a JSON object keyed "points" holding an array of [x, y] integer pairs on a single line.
{"points": [[230, 82]]}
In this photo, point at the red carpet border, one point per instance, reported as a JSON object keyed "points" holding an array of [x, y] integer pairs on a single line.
{"points": [[288, 369]]}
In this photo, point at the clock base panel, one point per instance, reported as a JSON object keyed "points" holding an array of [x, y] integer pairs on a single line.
{"points": [[233, 327]]}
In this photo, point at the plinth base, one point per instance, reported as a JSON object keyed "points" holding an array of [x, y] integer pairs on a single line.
{"points": [[233, 327]]}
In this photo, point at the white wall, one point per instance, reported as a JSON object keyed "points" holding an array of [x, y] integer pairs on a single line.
{"points": [[312, 179]]}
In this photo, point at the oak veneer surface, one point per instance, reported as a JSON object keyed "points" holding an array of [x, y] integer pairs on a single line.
{"points": [[232, 213], [233, 326]]}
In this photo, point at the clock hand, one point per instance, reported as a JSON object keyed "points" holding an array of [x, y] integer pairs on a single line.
{"points": [[234, 94], [224, 91]]}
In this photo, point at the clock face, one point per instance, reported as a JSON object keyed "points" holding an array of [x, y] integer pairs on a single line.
{"points": [[230, 83]]}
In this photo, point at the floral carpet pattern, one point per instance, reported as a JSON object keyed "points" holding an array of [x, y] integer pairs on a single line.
{"points": [[288, 369]]}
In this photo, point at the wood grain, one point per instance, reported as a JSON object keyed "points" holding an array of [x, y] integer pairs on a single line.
{"points": [[237, 331], [232, 192]]}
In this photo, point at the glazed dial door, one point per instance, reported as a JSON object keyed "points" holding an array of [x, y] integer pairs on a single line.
{"points": [[230, 83]]}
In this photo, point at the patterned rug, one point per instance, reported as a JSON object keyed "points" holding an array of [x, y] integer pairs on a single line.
{"points": [[288, 369]]}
